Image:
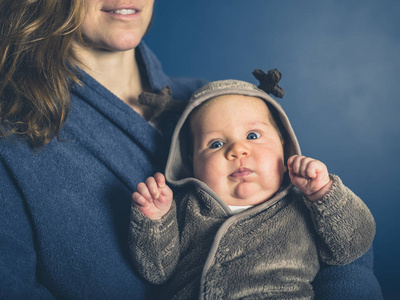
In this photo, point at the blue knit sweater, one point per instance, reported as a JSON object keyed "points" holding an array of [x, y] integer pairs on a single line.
{"points": [[64, 210]]}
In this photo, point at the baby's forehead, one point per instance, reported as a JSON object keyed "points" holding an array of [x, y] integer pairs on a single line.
{"points": [[228, 106]]}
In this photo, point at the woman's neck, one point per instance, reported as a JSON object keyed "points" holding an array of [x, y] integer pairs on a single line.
{"points": [[117, 71]]}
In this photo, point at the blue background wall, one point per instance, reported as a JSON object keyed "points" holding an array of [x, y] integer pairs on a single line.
{"points": [[340, 62]]}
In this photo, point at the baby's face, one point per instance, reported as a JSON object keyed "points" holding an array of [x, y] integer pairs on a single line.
{"points": [[237, 151]]}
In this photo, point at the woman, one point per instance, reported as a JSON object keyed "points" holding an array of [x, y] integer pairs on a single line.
{"points": [[75, 142]]}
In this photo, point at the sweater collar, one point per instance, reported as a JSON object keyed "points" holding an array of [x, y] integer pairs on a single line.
{"points": [[112, 108], [152, 68]]}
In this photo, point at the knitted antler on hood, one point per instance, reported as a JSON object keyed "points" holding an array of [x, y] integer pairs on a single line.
{"points": [[269, 82]]}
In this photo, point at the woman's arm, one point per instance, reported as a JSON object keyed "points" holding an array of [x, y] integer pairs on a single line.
{"points": [[353, 281], [18, 276]]}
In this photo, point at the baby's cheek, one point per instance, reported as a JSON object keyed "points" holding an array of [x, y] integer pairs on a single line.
{"points": [[205, 172], [272, 164], [208, 171]]}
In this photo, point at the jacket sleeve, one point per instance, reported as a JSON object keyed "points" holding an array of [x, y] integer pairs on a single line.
{"points": [[154, 245], [18, 276], [345, 226]]}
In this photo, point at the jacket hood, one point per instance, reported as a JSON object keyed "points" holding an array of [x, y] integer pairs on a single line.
{"points": [[179, 167]]}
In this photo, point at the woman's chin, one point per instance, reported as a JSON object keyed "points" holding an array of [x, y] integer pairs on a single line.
{"points": [[115, 43], [122, 45]]}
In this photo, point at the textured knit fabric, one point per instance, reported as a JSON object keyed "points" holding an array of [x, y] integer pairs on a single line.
{"points": [[260, 253], [273, 250], [64, 209]]}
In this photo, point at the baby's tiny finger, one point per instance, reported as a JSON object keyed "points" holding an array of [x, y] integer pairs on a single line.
{"points": [[318, 167], [160, 179], [152, 187], [296, 165], [139, 199], [305, 167], [290, 161], [143, 190], [311, 171]]}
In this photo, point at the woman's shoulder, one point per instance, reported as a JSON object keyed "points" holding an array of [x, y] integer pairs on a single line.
{"points": [[13, 145]]}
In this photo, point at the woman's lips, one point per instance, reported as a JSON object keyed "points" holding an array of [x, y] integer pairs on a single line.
{"points": [[241, 172]]}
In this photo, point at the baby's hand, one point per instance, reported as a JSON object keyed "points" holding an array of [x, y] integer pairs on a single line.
{"points": [[310, 176], [153, 197]]}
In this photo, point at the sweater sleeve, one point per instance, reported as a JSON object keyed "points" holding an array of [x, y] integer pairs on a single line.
{"points": [[18, 275], [345, 226], [154, 245]]}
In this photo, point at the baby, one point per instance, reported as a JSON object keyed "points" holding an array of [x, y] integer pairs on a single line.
{"points": [[251, 216]]}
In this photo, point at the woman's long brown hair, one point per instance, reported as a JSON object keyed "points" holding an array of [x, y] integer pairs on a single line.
{"points": [[36, 66]]}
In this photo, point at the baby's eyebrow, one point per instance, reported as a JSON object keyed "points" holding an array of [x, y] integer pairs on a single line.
{"points": [[258, 123]]}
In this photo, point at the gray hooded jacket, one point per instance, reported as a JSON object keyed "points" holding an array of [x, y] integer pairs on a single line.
{"points": [[200, 249]]}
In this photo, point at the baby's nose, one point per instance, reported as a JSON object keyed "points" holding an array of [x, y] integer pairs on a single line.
{"points": [[237, 150]]}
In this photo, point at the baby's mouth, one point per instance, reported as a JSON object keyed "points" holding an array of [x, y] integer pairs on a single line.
{"points": [[241, 172]]}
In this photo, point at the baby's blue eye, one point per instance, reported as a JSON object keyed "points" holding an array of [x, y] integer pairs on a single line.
{"points": [[216, 144], [253, 136]]}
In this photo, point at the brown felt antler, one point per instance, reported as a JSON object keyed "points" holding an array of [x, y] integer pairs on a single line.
{"points": [[269, 82], [161, 102]]}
